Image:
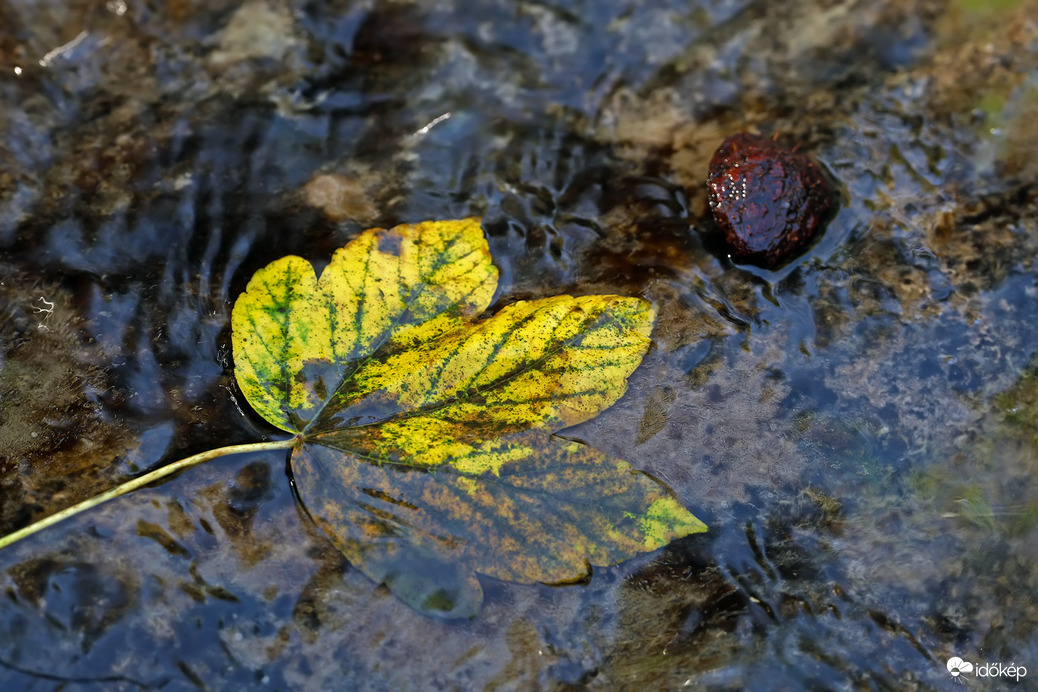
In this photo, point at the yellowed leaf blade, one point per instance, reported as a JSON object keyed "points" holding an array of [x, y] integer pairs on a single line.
{"points": [[273, 336], [553, 362], [543, 511], [406, 285], [297, 339]]}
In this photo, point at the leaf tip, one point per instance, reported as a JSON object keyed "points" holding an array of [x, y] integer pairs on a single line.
{"points": [[667, 519]]}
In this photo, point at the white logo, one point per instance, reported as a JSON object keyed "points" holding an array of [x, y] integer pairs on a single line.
{"points": [[956, 666]]}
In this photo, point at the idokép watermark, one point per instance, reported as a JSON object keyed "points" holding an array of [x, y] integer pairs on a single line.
{"points": [[958, 667]]}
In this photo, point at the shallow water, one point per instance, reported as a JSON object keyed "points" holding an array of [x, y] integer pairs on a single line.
{"points": [[857, 429]]}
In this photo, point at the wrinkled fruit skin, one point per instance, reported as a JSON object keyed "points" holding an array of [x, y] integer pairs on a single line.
{"points": [[769, 200]]}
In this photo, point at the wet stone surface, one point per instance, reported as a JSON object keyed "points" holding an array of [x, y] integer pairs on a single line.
{"points": [[856, 427]]}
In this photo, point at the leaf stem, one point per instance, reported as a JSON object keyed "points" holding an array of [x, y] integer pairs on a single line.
{"points": [[140, 482]]}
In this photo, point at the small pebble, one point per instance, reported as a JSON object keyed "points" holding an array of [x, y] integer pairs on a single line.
{"points": [[770, 201]]}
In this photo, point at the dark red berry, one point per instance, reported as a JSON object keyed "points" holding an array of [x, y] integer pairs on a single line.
{"points": [[769, 200]]}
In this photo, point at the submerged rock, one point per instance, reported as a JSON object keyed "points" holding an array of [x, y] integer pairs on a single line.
{"points": [[57, 446], [770, 201]]}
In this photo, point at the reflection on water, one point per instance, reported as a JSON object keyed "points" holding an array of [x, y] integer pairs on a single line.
{"points": [[854, 428]]}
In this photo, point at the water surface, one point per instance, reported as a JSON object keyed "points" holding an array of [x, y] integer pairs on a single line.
{"points": [[857, 429]]}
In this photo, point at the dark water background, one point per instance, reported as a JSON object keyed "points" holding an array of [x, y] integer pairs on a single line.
{"points": [[858, 430]]}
